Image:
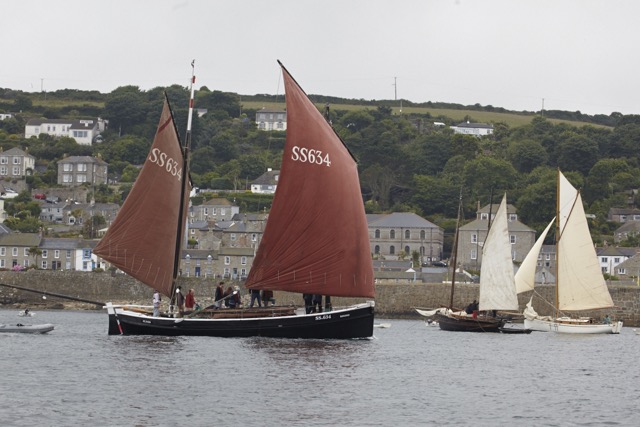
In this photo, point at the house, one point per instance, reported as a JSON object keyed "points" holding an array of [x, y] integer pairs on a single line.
{"points": [[85, 132], [229, 263], [80, 213], [626, 230], [78, 170], [475, 129], [471, 237], [629, 269], [15, 163], [216, 209], [610, 257], [400, 234], [623, 215], [271, 119], [4, 116], [266, 183], [16, 249], [52, 212]]}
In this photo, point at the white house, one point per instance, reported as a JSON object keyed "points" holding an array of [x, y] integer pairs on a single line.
{"points": [[267, 119], [476, 129], [84, 132]]}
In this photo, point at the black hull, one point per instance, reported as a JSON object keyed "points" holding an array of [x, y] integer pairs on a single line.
{"points": [[356, 322], [468, 324]]}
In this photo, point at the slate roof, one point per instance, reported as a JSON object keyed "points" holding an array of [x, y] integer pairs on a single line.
{"points": [[20, 239], [401, 219]]}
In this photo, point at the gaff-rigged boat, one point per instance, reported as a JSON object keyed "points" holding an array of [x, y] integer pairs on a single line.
{"points": [[579, 281], [315, 241], [497, 284]]}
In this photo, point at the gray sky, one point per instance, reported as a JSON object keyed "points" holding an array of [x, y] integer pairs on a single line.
{"points": [[574, 54]]}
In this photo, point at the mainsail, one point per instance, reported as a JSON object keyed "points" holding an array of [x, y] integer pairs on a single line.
{"points": [[147, 234], [581, 285], [316, 239], [497, 284]]}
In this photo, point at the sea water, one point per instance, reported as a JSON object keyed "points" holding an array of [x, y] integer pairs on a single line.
{"points": [[407, 375]]}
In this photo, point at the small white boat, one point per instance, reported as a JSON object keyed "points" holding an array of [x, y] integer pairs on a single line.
{"points": [[26, 313], [430, 322], [382, 325], [27, 329]]}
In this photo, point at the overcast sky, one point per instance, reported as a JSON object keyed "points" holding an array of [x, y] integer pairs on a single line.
{"points": [[575, 54]]}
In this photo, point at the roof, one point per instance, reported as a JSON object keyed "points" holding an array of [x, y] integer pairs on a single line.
{"points": [[616, 251], [624, 211], [494, 208], [482, 224], [267, 178], [20, 239], [401, 219], [74, 123], [236, 251], [82, 159], [474, 125], [629, 226], [59, 243], [215, 202], [15, 152]]}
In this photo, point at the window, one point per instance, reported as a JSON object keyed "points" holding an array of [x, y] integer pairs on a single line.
{"points": [[474, 254], [227, 260], [3, 251], [67, 178], [243, 272], [377, 234], [512, 238], [56, 254], [14, 251], [547, 257], [222, 211], [81, 178], [376, 250], [622, 271], [43, 265], [68, 254], [16, 170], [407, 250], [82, 167], [16, 160], [513, 255], [513, 217], [254, 237], [86, 253], [67, 167], [484, 216], [392, 250], [616, 260], [2, 263], [3, 170], [407, 234], [205, 211], [233, 237], [4, 160], [26, 251], [392, 234], [605, 259], [243, 260], [474, 238]]}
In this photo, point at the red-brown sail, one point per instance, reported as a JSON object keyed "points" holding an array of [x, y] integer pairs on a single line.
{"points": [[143, 239], [316, 240]]}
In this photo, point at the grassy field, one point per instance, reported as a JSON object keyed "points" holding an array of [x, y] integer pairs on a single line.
{"points": [[511, 119]]}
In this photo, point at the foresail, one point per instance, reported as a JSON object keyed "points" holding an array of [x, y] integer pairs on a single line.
{"points": [[316, 239], [497, 283], [525, 276], [581, 285], [142, 241]]}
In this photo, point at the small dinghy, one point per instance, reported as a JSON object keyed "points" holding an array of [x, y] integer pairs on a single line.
{"points": [[510, 329], [27, 329], [26, 313]]}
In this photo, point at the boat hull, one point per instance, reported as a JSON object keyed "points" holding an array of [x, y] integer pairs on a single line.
{"points": [[352, 322], [467, 324], [555, 325], [27, 329]]}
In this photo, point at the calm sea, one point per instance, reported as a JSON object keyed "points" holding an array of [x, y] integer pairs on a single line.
{"points": [[408, 375]]}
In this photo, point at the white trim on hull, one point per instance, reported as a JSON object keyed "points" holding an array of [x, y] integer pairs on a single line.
{"points": [[572, 328]]}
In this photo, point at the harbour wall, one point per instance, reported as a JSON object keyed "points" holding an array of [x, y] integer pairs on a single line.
{"points": [[393, 298]]}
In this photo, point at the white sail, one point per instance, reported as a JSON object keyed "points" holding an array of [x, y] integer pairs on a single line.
{"points": [[525, 276], [497, 283], [581, 285]]}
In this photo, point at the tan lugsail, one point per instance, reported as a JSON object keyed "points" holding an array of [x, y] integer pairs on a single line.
{"points": [[146, 236], [497, 283], [581, 285], [316, 239], [525, 276]]}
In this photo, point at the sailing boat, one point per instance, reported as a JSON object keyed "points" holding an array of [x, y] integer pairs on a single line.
{"points": [[579, 281], [497, 284], [315, 241]]}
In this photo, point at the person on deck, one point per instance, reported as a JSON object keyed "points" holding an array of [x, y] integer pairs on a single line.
{"points": [[316, 304], [190, 300], [219, 294], [180, 301], [156, 304], [307, 302], [267, 297], [255, 295]]}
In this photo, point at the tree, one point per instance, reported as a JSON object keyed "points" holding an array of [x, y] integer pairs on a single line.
{"points": [[577, 153], [526, 154], [125, 107], [378, 179]]}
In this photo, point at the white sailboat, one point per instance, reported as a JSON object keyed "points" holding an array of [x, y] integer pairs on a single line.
{"points": [[579, 281]]}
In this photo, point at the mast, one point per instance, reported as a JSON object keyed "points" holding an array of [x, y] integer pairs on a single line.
{"points": [[184, 197], [558, 221], [455, 252]]}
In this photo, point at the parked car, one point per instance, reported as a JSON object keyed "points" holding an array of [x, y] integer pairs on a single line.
{"points": [[40, 196], [440, 264]]}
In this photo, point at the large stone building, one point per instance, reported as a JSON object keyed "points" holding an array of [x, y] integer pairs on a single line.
{"points": [[78, 170], [471, 237], [399, 235]]}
